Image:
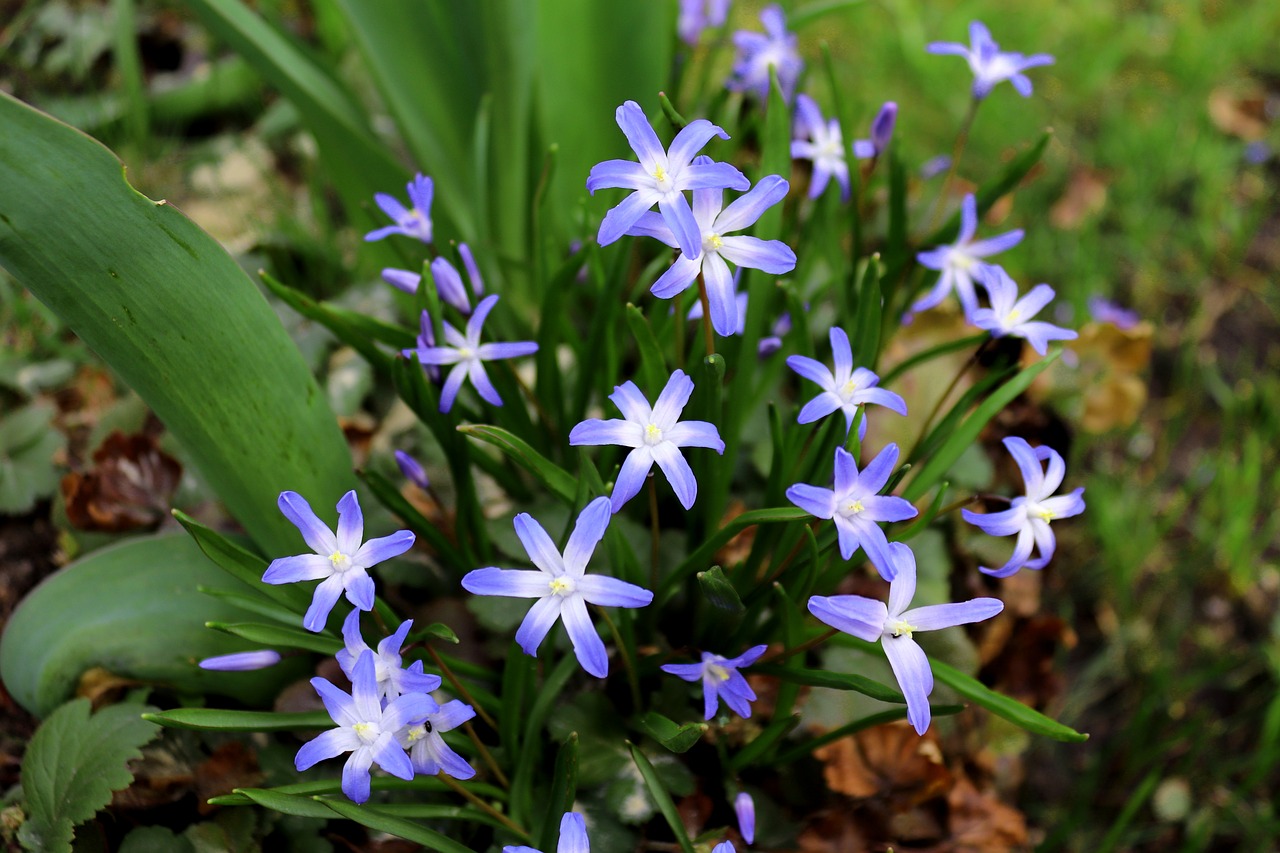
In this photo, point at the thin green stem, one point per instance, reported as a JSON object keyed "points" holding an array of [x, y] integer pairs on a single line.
{"points": [[706, 317], [462, 691], [783, 654], [655, 534], [486, 808], [937, 407], [487, 756], [956, 152], [627, 664]]}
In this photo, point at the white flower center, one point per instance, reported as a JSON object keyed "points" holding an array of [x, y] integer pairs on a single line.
{"points": [[367, 732], [562, 585], [1035, 510], [415, 733], [831, 149], [721, 673], [340, 561], [712, 242], [854, 507], [653, 435], [961, 261], [466, 353], [902, 628], [662, 179]]}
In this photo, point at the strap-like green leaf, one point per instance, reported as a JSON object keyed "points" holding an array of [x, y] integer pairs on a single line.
{"points": [[662, 797], [669, 733], [547, 472], [142, 285], [217, 719], [1011, 709]]}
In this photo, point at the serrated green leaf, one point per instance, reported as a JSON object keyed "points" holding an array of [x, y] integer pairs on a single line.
{"points": [[669, 733], [518, 450], [133, 609], [216, 719], [141, 284], [662, 797], [397, 826], [1004, 706], [72, 765]]}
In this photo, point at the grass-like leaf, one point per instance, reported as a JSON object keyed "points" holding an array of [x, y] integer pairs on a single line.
{"points": [[662, 797], [216, 719], [1011, 709]]}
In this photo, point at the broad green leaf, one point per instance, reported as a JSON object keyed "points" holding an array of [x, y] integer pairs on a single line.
{"points": [[354, 159], [354, 329], [292, 804], [1011, 709], [662, 797], [133, 609], [169, 310], [216, 719], [396, 826], [279, 636], [518, 450], [938, 463], [242, 565], [832, 680], [72, 765], [669, 733]]}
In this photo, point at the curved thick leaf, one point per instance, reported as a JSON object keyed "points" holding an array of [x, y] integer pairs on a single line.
{"points": [[134, 610], [174, 316]]}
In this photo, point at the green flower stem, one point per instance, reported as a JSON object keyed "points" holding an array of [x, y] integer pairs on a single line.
{"points": [[486, 808], [462, 691]]}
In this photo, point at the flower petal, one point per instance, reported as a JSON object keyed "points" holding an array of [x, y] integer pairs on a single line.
{"points": [[720, 294], [1028, 463], [322, 601], [690, 141], [695, 434], [383, 548], [876, 474], [1004, 523], [633, 404], [538, 545], [652, 224], [315, 533], [338, 703], [391, 757], [678, 472], [605, 591], [452, 385], [819, 407], [813, 370], [589, 529], [619, 174], [997, 244], [515, 349], [624, 214], [911, 668], [359, 587], [594, 431], [746, 209], [671, 402], [854, 614], [813, 499], [936, 616], [537, 622], [687, 671], [841, 353], [631, 476], [846, 472], [480, 379], [510, 583], [573, 834], [304, 567], [902, 586], [325, 746], [771, 256], [355, 775], [587, 644], [451, 715], [675, 210], [640, 135]]}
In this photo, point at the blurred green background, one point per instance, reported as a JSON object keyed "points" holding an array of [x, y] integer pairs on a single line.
{"points": [[1158, 191]]}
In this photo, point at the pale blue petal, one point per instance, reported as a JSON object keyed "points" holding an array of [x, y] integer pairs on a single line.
{"points": [[675, 210], [364, 688], [510, 583], [337, 703], [814, 371], [640, 136], [671, 402], [322, 601], [713, 176], [350, 524], [1065, 506], [452, 763], [587, 645], [690, 141], [515, 349], [745, 210], [452, 385], [1005, 523], [241, 661], [538, 545], [325, 746], [948, 47], [997, 244], [707, 203], [748, 657], [687, 671], [720, 295], [1022, 547], [631, 477], [402, 279], [620, 174], [623, 215], [915, 679], [1028, 463], [678, 472], [1038, 335], [589, 529], [596, 432], [480, 379], [451, 715], [449, 284], [355, 775], [819, 407], [812, 499], [902, 585], [854, 614], [840, 351], [944, 285], [936, 616], [864, 149], [1054, 471], [391, 757], [611, 592], [537, 622], [878, 470], [633, 404], [695, 434], [887, 508], [573, 834], [409, 709], [391, 206], [968, 219], [846, 471], [745, 809], [771, 256], [383, 548], [882, 397], [304, 567], [359, 587], [316, 533], [652, 224], [1046, 543], [737, 694]]}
